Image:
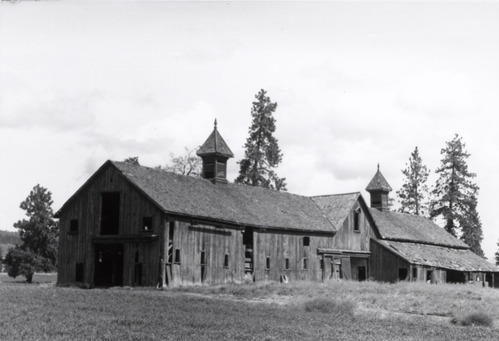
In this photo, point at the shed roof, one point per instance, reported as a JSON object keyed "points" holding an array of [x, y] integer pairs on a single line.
{"points": [[407, 227], [439, 256], [336, 206], [232, 203]]}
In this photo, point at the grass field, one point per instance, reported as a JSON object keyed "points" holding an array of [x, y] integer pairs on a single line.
{"points": [[263, 311]]}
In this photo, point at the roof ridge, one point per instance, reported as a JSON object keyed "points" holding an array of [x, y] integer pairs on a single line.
{"points": [[333, 195]]}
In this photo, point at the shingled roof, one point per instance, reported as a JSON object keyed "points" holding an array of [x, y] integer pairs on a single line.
{"points": [[407, 227], [215, 144], [230, 203], [336, 206], [439, 256], [378, 183]]}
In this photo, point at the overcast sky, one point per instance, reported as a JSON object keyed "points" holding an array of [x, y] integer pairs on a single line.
{"points": [[356, 84]]}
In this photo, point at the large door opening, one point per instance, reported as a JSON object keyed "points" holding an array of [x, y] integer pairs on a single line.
{"points": [[248, 251], [108, 271], [454, 276], [110, 214]]}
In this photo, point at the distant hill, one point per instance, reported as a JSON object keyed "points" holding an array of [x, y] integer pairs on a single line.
{"points": [[9, 237], [7, 240]]}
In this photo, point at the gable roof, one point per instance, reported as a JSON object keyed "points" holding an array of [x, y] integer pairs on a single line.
{"points": [[336, 206], [198, 198], [378, 183], [215, 144], [439, 256], [413, 228]]}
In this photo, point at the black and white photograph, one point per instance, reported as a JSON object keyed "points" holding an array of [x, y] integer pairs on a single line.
{"points": [[249, 170]]}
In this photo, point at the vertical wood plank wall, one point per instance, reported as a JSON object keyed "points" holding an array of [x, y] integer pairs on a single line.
{"points": [[86, 208]]}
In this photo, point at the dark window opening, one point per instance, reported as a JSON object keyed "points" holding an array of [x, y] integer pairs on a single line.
{"points": [[286, 264], [267, 263], [403, 274], [361, 273], [429, 273], [356, 219], [137, 278], [226, 261], [110, 214], [79, 272], [170, 242], [203, 258], [306, 241], [73, 226], [454, 276], [305, 263], [209, 170], [177, 256], [414, 273], [147, 224]]}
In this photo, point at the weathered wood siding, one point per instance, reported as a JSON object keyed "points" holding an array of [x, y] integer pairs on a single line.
{"points": [[86, 208], [348, 239], [385, 265], [215, 242], [279, 246]]}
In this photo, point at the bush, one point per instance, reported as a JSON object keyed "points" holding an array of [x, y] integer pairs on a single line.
{"points": [[474, 319], [330, 306]]}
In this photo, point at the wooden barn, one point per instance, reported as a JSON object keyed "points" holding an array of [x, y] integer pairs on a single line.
{"points": [[413, 248], [130, 225]]}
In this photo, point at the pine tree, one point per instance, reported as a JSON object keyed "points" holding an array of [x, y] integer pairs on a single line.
{"points": [[455, 194], [497, 253], [262, 153], [471, 225], [38, 251], [413, 196]]}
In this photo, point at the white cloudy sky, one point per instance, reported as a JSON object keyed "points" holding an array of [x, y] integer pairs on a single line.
{"points": [[356, 84]]}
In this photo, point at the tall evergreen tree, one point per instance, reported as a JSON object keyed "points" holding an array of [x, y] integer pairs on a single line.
{"points": [[497, 253], [471, 225], [413, 196], [38, 251], [262, 152], [455, 194]]}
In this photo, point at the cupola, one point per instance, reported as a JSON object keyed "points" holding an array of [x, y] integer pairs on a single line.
{"points": [[379, 188], [214, 152]]}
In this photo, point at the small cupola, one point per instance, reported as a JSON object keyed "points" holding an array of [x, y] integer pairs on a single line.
{"points": [[379, 188], [214, 152]]}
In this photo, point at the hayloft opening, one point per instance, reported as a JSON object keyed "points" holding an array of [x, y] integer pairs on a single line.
{"points": [[73, 226], [110, 213]]}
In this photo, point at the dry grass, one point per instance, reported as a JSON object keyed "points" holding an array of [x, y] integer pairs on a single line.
{"points": [[311, 311]]}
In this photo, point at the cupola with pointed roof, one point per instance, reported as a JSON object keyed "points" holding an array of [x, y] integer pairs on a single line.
{"points": [[214, 152], [379, 188]]}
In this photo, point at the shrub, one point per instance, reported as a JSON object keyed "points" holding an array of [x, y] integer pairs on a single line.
{"points": [[330, 306], [474, 319]]}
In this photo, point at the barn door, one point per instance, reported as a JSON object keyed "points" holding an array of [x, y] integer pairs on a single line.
{"points": [[108, 270]]}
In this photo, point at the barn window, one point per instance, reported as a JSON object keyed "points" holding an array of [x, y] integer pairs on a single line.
{"points": [[414, 273], [306, 241], [356, 219], [79, 272], [73, 226], [146, 224], [177, 256], [209, 170], [267, 263], [226, 261], [305, 263], [286, 264], [110, 213]]}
